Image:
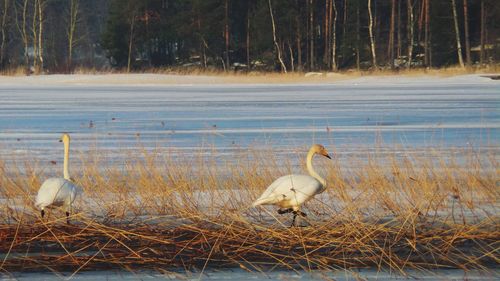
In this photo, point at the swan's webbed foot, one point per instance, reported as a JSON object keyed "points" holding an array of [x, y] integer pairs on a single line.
{"points": [[285, 211]]}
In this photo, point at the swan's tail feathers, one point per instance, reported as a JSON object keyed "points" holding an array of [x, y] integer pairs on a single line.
{"points": [[38, 203]]}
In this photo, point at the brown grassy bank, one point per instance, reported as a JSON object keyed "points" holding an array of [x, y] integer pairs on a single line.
{"points": [[398, 211], [179, 75]]}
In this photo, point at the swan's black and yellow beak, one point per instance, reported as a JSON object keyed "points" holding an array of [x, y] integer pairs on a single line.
{"points": [[328, 156]]}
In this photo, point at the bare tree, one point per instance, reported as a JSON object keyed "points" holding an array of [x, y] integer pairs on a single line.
{"points": [[226, 30], [334, 39], [372, 38], [466, 31], [298, 37], [390, 46], [311, 34], [457, 34], [483, 33], [40, 9], [22, 28], [34, 33], [4, 33], [132, 20], [73, 20], [410, 32], [248, 36], [292, 61], [326, 32], [427, 35], [203, 52], [399, 49], [358, 37], [276, 45]]}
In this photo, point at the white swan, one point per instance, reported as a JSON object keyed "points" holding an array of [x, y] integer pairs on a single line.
{"points": [[58, 191], [291, 191]]}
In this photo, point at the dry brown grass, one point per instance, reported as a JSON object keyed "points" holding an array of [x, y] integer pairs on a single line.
{"points": [[195, 75], [163, 210], [17, 71]]}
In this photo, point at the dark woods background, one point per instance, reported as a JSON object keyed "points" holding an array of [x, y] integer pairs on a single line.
{"points": [[272, 35]]}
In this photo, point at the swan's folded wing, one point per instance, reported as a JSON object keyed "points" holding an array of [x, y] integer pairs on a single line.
{"points": [[298, 187]]}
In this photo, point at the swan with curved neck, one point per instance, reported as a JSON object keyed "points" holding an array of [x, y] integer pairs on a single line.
{"points": [[291, 191], [58, 191]]}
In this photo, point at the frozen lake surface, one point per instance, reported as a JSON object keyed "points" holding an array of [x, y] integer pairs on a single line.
{"points": [[347, 116], [277, 275]]}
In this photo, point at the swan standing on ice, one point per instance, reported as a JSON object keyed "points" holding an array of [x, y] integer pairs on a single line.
{"points": [[58, 191], [291, 191]]}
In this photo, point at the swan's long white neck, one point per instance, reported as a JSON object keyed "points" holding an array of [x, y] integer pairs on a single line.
{"points": [[66, 160], [311, 170]]}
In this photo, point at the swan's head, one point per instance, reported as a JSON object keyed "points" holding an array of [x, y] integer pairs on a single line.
{"points": [[64, 138], [321, 150]]}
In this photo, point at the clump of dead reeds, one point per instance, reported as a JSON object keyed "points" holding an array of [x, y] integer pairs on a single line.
{"points": [[163, 210]]}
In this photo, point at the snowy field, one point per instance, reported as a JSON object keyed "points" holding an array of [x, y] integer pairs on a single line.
{"points": [[114, 114]]}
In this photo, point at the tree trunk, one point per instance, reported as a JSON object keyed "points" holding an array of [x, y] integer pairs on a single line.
{"points": [[276, 45], [248, 37], [41, 6], [344, 25], [410, 33], [398, 32], [466, 31], [298, 37], [292, 62], [457, 34], [358, 37], [4, 33], [326, 34], [34, 34], [24, 36], [420, 21], [390, 48], [483, 33], [73, 19], [226, 30], [130, 42], [203, 54], [372, 38], [427, 37], [308, 35], [334, 43], [311, 38]]}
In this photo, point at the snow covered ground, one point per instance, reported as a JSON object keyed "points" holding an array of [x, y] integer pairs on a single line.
{"points": [[349, 116]]}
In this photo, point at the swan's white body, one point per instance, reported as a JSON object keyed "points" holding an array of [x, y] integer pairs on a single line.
{"points": [[291, 191], [57, 192]]}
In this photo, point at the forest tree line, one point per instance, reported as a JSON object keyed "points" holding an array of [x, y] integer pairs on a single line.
{"points": [[274, 35]]}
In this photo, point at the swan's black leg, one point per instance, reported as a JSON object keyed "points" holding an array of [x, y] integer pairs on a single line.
{"points": [[67, 217], [302, 214], [284, 211], [42, 212], [294, 217]]}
